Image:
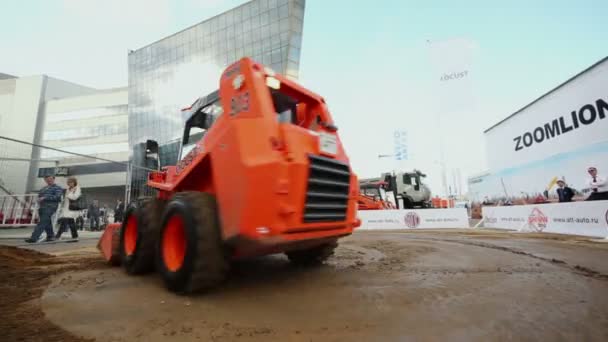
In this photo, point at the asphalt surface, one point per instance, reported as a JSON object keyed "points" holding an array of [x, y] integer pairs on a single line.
{"points": [[16, 236]]}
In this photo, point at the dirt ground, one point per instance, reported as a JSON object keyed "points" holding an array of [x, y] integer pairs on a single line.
{"points": [[380, 286], [25, 274]]}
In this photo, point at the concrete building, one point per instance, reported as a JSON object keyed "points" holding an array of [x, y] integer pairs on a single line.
{"points": [[95, 125], [559, 135], [173, 72], [50, 112], [22, 101]]}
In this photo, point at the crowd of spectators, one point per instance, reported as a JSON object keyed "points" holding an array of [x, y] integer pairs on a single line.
{"points": [[597, 189]]}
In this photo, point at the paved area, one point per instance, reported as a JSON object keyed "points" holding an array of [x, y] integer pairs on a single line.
{"points": [[16, 236]]}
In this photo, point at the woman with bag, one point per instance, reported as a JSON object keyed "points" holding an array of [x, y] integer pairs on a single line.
{"points": [[70, 209]]}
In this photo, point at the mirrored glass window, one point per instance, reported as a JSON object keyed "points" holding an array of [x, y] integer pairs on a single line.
{"points": [[166, 76]]}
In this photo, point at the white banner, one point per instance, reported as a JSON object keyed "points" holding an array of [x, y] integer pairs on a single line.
{"points": [[414, 219], [575, 218], [572, 117]]}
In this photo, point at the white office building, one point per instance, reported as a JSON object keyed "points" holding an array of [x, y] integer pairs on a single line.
{"points": [[95, 125], [46, 111]]}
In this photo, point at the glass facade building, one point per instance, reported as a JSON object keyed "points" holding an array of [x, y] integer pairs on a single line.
{"points": [[173, 72]]}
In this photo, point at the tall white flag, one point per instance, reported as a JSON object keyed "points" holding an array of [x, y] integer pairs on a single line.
{"points": [[455, 105]]}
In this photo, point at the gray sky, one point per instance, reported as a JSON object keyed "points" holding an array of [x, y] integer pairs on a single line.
{"points": [[370, 60]]}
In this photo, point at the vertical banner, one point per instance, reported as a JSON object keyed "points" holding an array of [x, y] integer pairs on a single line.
{"points": [[452, 63], [401, 151]]}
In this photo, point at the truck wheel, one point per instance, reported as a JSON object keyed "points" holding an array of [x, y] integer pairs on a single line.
{"points": [[312, 256], [191, 255], [139, 235], [408, 203]]}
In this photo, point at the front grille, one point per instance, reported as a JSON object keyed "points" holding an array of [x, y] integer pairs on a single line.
{"points": [[328, 188]]}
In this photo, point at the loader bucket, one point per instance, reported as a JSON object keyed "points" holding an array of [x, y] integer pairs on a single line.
{"points": [[109, 244]]}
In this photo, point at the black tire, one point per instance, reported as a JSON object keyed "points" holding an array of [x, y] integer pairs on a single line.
{"points": [[312, 256], [408, 203], [147, 216], [205, 262]]}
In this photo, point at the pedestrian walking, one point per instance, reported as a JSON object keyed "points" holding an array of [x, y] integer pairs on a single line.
{"points": [[119, 211], [80, 222], [94, 215], [103, 216], [69, 209], [48, 200], [598, 185]]}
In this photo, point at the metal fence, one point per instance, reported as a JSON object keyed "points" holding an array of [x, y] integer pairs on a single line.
{"points": [[19, 163], [139, 167], [18, 210], [23, 163]]}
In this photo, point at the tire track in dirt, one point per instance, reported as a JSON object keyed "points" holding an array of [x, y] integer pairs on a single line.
{"points": [[576, 269], [25, 275]]}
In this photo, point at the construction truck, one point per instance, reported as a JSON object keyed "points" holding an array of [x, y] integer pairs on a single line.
{"points": [[261, 170], [406, 188], [373, 196]]}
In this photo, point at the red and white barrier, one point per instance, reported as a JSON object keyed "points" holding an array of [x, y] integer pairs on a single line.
{"points": [[574, 218], [18, 210], [414, 219]]}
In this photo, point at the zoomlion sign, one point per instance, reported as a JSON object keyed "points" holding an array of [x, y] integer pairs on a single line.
{"points": [[586, 115]]}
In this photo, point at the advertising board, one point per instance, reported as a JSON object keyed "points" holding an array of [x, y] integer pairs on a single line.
{"points": [[414, 219], [569, 118], [574, 218]]}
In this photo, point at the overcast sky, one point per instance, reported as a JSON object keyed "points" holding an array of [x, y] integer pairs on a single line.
{"points": [[371, 60]]}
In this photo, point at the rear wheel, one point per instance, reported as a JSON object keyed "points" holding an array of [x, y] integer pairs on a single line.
{"points": [[408, 203], [191, 256], [312, 256], [139, 236]]}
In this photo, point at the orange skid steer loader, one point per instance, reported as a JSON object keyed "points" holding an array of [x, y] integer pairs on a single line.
{"points": [[261, 170]]}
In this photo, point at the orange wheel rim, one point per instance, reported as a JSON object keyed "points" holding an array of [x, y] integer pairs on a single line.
{"points": [[174, 243], [130, 235]]}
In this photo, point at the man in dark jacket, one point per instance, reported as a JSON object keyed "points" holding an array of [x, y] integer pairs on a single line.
{"points": [[564, 193], [94, 215], [119, 211], [48, 200]]}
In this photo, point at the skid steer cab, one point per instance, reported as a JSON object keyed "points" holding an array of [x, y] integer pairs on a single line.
{"points": [[261, 170]]}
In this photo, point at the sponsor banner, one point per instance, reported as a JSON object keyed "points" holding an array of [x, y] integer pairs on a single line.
{"points": [[571, 117], [414, 219], [574, 218]]}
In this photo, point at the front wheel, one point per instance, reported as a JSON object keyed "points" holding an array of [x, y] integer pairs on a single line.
{"points": [[191, 255], [408, 203], [138, 236], [312, 256]]}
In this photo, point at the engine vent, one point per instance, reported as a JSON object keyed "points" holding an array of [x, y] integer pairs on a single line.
{"points": [[328, 189]]}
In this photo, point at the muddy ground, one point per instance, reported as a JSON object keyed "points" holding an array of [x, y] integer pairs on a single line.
{"points": [[24, 276], [380, 286]]}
